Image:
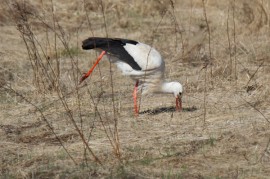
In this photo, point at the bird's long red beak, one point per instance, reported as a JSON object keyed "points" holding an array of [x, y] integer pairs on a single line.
{"points": [[92, 68], [178, 103]]}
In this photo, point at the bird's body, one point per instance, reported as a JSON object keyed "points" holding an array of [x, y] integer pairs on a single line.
{"points": [[140, 61]]}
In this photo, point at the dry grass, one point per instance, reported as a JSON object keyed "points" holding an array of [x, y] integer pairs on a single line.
{"points": [[51, 127]]}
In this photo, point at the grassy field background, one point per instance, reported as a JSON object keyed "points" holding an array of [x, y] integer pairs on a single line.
{"points": [[52, 127]]}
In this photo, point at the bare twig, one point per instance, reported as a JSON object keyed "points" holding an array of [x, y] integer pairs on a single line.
{"points": [[87, 17], [256, 109], [234, 47], [115, 118], [177, 28], [34, 47], [266, 150], [55, 45], [44, 119], [151, 44], [205, 94], [252, 76], [209, 37], [229, 42]]}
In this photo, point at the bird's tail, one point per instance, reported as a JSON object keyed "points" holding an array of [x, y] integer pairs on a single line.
{"points": [[105, 43], [94, 42]]}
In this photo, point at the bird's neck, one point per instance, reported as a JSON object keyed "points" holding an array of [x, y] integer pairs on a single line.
{"points": [[166, 87]]}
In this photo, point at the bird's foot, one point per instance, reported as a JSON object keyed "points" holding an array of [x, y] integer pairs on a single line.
{"points": [[83, 78]]}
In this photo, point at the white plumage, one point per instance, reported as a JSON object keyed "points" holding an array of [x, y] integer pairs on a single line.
{"points": [[140, 61]]}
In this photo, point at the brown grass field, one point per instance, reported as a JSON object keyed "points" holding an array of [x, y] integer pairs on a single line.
{"points": [[52, 127]]}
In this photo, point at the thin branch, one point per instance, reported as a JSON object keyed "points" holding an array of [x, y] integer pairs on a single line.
{"points": [[256, 109], [177, 28], [234, 41], [229, 41], [44, 119], [209, 36], [252, 76], [116, 133], [151, 44]]}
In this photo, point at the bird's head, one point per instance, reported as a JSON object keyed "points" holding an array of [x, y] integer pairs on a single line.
{"points": [[177, 91]]}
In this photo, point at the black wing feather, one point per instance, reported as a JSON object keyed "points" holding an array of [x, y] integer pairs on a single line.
{"points": [[113, 46]]}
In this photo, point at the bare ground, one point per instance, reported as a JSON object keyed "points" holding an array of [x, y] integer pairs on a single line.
{"points": [[223, 131]]}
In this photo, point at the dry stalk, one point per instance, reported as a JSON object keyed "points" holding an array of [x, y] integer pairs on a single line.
{"points": [[151, 44], [55, 44], [64, 103], [116, 133], [266, 150], [40, 70], [252, 76], [189, 22], [177, 29], [43, 118], [87, 17], [204, 94], [234, 47], [45, 76], [78, 98], [209, 37], [115, 143], [256, 109], [70, 115], [206, 65], [229, 42], [61, 36]]}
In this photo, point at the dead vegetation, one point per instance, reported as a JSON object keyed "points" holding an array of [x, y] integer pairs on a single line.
{"points": [[50, 126]]}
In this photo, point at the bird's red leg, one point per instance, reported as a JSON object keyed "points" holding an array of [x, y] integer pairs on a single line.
{"points": [[178, 101], [92, 68], [135, 98]]}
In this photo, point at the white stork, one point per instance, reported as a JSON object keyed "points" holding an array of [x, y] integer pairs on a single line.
{"points": [[141, 62]]}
